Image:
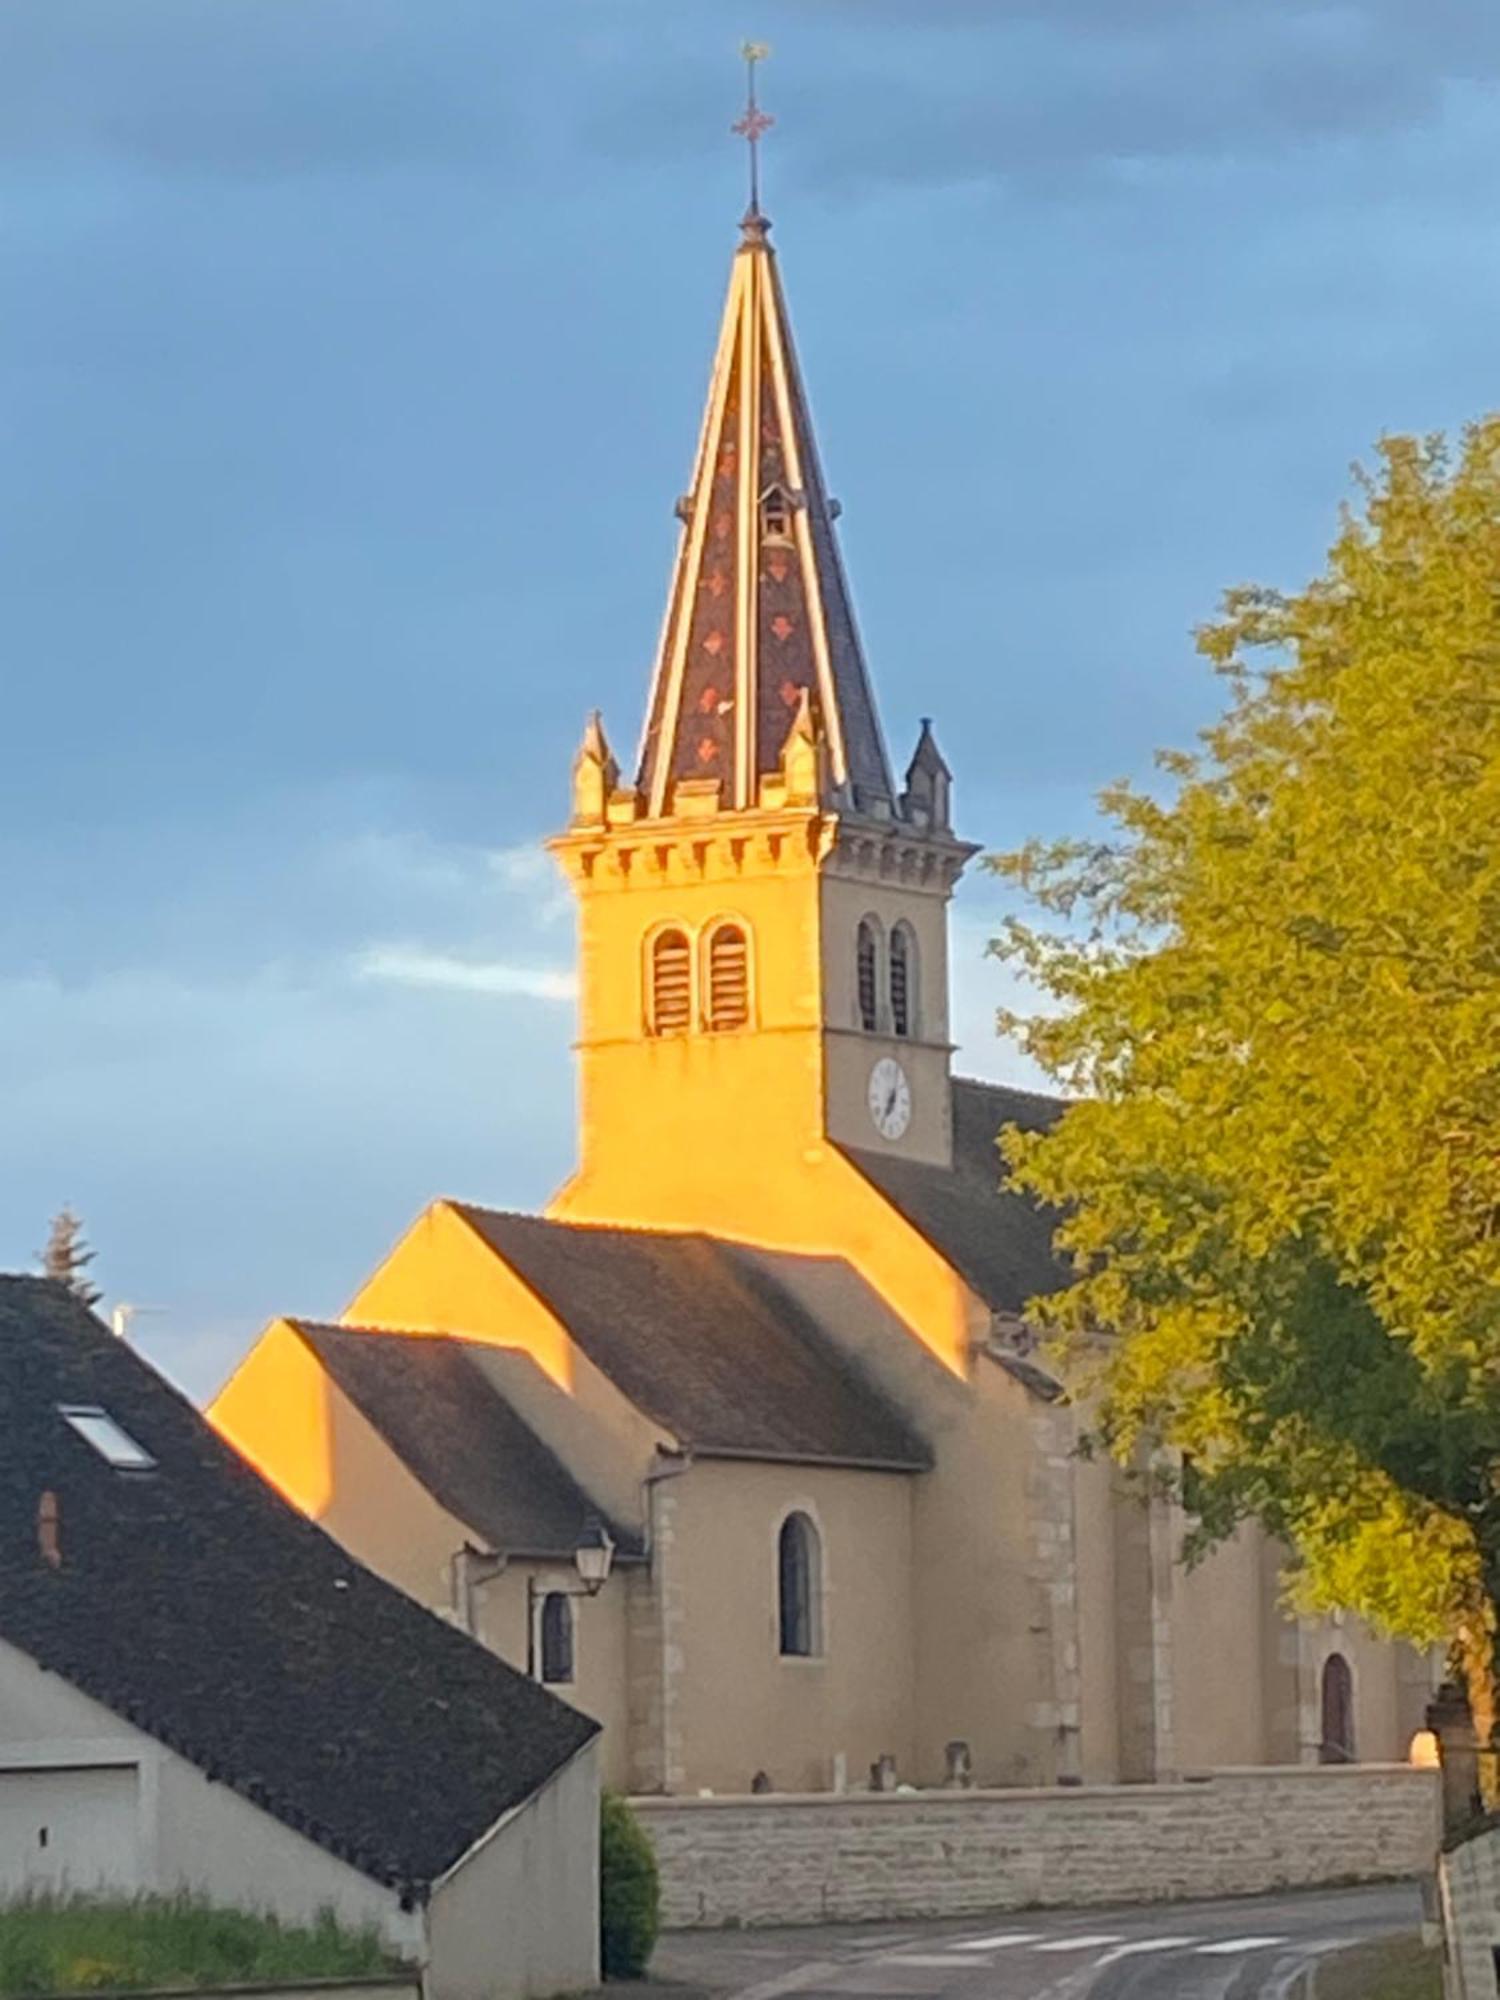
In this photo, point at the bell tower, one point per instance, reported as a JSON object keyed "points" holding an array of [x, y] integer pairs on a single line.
{"points": [[763, 911]]}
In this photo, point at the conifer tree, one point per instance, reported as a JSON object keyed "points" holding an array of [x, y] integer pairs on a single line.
{"points": [[68, 1256]]}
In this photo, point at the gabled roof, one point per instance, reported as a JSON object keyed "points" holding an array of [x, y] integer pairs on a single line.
{"points": [[703, 1342], [430, 1399], [198, 1605], [759, 616], [997, 1239]]}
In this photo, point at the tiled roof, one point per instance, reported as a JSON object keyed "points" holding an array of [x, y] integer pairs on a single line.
{"points": [[997, 1239], [194, 1602], [774, 587], [705, 1344], [430, 1399]]}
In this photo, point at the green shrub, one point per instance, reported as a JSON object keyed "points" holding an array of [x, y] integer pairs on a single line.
{"points": [[629, 1892]]}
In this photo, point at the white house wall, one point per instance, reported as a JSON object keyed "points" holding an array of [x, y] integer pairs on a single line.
{"points": [[519, 1915], [149, 1820]]}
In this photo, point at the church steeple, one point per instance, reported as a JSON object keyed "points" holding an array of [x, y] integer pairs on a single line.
{"points": [[759, 621], [763, 951]]}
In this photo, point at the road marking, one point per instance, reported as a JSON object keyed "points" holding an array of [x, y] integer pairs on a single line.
{"points": [[1223, 1947], [937, 1960], [1090, 1943], [999, 1941], [1140, 1945]]}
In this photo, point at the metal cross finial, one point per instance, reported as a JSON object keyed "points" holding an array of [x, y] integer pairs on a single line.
{"points": [[755, 124]]}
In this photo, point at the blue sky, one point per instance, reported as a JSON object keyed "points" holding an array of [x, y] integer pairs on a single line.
{"points": [[352, 358]]}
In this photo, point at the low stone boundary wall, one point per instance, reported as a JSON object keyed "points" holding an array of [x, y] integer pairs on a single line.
{"points": [[822, 1858]]}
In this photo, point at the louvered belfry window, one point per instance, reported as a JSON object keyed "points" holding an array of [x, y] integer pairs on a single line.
{"points": [[901, 980], [671, 983], [728, 978], [867, 953]]}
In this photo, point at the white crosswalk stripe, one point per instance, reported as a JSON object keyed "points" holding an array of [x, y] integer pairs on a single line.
{"points": [[1138, 1947], [1223, 1947], [938, 1960], [1000, 1940], [1082, 1943]]}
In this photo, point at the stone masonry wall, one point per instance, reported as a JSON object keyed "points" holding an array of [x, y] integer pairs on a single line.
{"points": [[1470, 1881], [793, 1860]]}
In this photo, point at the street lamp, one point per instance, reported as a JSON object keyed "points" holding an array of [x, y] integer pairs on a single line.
{"points": [[593, 1556]]}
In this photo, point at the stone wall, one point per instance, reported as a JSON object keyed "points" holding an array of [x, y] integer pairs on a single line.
{"points": [[793, 1860], [1470, 1883]]}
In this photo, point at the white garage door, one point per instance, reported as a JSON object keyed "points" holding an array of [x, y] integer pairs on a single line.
{"points": [[70, 1829]]}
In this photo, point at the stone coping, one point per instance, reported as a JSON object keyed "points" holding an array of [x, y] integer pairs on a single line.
{"points": [[649, 1802]]}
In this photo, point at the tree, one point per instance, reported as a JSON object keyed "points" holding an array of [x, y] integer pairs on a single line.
{"points": [[1276, 988], [67, 1257]]}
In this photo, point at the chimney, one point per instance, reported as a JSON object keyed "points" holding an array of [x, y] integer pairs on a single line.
{"points": [[49, 1530]]}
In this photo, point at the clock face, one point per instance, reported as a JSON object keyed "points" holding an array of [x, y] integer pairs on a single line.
{"points": [[890, 1098]]}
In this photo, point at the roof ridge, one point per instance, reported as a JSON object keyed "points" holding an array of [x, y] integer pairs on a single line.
{"points": [[1016, 1090], [364, 1329], [581, 1223]]}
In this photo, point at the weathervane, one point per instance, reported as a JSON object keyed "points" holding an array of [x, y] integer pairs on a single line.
{"points": [[756, 123]]}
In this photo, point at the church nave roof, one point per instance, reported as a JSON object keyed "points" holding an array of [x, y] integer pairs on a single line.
{"points": [[997, 1239], [704, 1342]]}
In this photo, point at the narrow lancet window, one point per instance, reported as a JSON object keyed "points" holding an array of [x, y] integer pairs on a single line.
{"points": [[556, 1647], [903, 981], [728, 978], [867, 965], [1337, 1745], [671, 1009], [800, 1582]]}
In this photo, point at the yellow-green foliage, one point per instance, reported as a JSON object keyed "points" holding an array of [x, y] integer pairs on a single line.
{"points": [[79, 1944], [1278, 988]]}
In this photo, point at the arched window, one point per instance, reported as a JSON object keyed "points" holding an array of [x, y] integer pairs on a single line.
{"points": [[671, 1011], [556, 1638], [1337, 1746], [728, 977], [799, 1571], [903, 981], [867, 975]]}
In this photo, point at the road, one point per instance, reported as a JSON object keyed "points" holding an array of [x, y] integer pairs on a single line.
{"points": [[1260, 1948]]}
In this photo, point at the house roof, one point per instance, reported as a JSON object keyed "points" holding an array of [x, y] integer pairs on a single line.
{"points": [[997, 1239], [430, 1399], [201, 1607], [705, 1344]]}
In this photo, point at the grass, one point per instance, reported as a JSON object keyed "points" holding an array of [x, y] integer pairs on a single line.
{"points": [[78, 1944], [1400, 1968]]}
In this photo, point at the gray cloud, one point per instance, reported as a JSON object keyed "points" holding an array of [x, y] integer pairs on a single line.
{"points": [[260, 88], [1022, 91], [917, 91]]}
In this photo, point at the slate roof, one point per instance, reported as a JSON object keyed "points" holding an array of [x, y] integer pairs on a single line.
{"points": [[197, 1604], [998, 1240], [739, 582], [429, 1398], [705, 1344]]}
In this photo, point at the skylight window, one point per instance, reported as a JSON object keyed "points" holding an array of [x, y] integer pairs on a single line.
{"points": [[98, 1428]]}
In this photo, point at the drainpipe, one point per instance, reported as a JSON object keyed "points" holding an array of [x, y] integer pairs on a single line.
{"points": [[469, 1567]]}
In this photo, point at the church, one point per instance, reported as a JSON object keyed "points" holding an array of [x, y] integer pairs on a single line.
{"points": [[743, 1445]]}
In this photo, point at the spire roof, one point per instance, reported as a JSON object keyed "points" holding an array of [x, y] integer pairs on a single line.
{"points": [[759, 620]]}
